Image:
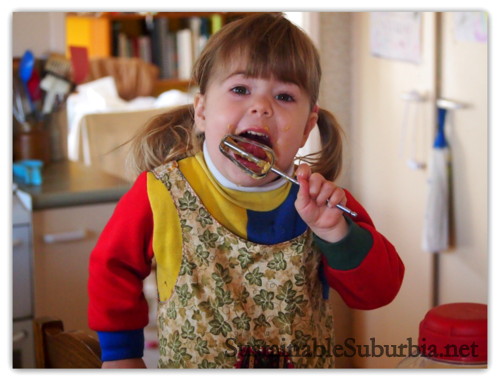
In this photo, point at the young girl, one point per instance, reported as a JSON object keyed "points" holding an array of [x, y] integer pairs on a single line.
{"points": [[243, 265]]}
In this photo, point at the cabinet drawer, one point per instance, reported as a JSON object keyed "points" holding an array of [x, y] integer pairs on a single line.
{"points": [[21, 267], [63, 239]]}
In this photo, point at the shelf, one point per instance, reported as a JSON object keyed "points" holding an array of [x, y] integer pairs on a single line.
{"points": [[118, 16], [163, 85], [139, 16], [156, 37]]}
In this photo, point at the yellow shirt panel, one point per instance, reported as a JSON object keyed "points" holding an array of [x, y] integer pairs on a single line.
{"points": [[167, 236]]}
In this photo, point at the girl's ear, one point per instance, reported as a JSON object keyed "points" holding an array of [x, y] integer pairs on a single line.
{"points": [[311, 122], [199, 111]]}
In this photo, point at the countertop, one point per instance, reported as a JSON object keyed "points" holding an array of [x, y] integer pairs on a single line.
{"points": [[69, 183]]}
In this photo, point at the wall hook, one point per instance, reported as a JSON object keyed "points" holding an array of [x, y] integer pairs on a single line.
{"points": [[449, 104], [413, 96]]}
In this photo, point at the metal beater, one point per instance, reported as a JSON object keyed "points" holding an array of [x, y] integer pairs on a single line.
{"points": [[230, 143]]}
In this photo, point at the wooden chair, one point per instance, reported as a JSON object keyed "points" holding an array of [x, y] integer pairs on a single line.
{"points": [[134, 77], [55, 348]]}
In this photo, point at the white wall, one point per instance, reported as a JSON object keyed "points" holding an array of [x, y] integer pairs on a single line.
{"points": [[464, 268], [41, 32]]}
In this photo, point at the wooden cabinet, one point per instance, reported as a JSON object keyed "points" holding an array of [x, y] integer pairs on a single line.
{"points": [[170, 40], [63, 239]]}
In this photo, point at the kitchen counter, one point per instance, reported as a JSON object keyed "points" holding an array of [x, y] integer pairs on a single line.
{"points": [[69, 183]]}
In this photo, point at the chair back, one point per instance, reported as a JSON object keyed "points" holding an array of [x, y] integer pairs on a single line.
{"points": [[55, 348], [133, 76]]}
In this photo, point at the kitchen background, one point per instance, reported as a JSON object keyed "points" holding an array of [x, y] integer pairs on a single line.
{"points": [[384, 74]]}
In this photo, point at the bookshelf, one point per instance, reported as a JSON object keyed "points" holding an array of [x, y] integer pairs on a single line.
{"points": [[170, 40]]}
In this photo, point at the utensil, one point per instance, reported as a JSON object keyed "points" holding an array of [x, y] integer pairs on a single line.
{"points": [[25, 72], [56, 81], [20, 105], [229, 146], [34, 86], [53, 86], [17, 102]]}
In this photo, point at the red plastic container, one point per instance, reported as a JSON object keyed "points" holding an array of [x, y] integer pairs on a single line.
{"points": [[451, 336]]}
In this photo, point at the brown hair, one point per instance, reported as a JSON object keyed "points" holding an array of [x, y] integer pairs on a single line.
{"points": [[270, 45]]}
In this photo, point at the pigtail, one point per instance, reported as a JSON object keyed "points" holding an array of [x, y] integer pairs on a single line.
{"points": [[168, 136], [328, 161]]}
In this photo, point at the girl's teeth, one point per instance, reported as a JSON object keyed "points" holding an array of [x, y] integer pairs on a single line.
{"points": [[257, 134]]}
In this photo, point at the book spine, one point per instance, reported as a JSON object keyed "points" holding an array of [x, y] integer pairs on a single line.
{"points": [[185, 53], [145, 48]]}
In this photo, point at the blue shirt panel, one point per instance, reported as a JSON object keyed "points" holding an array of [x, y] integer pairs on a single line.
{"points": [[278, 225]]}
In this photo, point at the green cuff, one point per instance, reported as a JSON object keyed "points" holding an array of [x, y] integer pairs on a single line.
{"points": [[349, 252]]}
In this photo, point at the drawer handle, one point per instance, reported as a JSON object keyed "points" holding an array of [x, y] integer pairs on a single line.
{"points": [[19, 336], [62, 237], [17, 243]]}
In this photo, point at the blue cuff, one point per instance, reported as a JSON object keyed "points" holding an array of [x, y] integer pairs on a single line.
{"points": [[121, 345]]}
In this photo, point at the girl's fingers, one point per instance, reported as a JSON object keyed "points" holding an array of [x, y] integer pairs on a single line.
{"points": [[337, 197], [323, 192], [316, 182], [303, 174], [316, 190], [326, 193]]}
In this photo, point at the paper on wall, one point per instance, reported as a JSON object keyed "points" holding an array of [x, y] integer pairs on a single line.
{"points": [[396, 35], [471, 26]]}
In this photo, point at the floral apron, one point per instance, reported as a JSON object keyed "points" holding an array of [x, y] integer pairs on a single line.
{"points": [[237, 303]]}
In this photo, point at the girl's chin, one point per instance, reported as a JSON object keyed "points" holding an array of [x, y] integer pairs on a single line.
{"points": [[240, 178]]}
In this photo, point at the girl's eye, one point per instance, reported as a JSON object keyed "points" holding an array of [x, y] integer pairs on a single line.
{"points": [[285, 97], [240, 90]]}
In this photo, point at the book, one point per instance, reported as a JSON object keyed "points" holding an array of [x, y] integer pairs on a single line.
{"points": [[161, 30], [144, 48], [172, 55], [216, 23], [184, 53], [195, 26], [123, 45], [156, 32]]}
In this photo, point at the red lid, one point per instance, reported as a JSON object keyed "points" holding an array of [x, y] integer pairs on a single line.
{"points": [[456, 333]]}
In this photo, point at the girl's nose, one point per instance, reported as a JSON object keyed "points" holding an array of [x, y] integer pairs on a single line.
{"points": [[261, 107]]}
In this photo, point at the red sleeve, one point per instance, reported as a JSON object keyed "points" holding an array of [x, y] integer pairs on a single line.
{"points": [[376, 281], [120, 262]]}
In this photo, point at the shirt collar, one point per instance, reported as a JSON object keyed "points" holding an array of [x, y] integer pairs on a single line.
{"points": [[224, 182]]}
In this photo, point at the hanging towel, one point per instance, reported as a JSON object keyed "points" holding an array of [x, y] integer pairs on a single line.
{"points": [[436, 224]]}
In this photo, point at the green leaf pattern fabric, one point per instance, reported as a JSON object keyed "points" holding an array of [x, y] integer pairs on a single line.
{"points": [[231, 292]]}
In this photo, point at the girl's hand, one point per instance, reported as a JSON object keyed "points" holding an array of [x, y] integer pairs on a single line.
{"points": [[316, 203], [131, 363]]}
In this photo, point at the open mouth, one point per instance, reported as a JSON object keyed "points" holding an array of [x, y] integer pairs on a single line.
{"points": [[257, 137], [255, 150], [251, 151]]}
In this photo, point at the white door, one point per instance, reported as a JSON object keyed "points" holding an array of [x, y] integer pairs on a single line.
{"points": [[463, 270], [395, 195]]}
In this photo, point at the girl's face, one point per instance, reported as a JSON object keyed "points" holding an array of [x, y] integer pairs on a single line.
{"points": [[278, 112]]}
